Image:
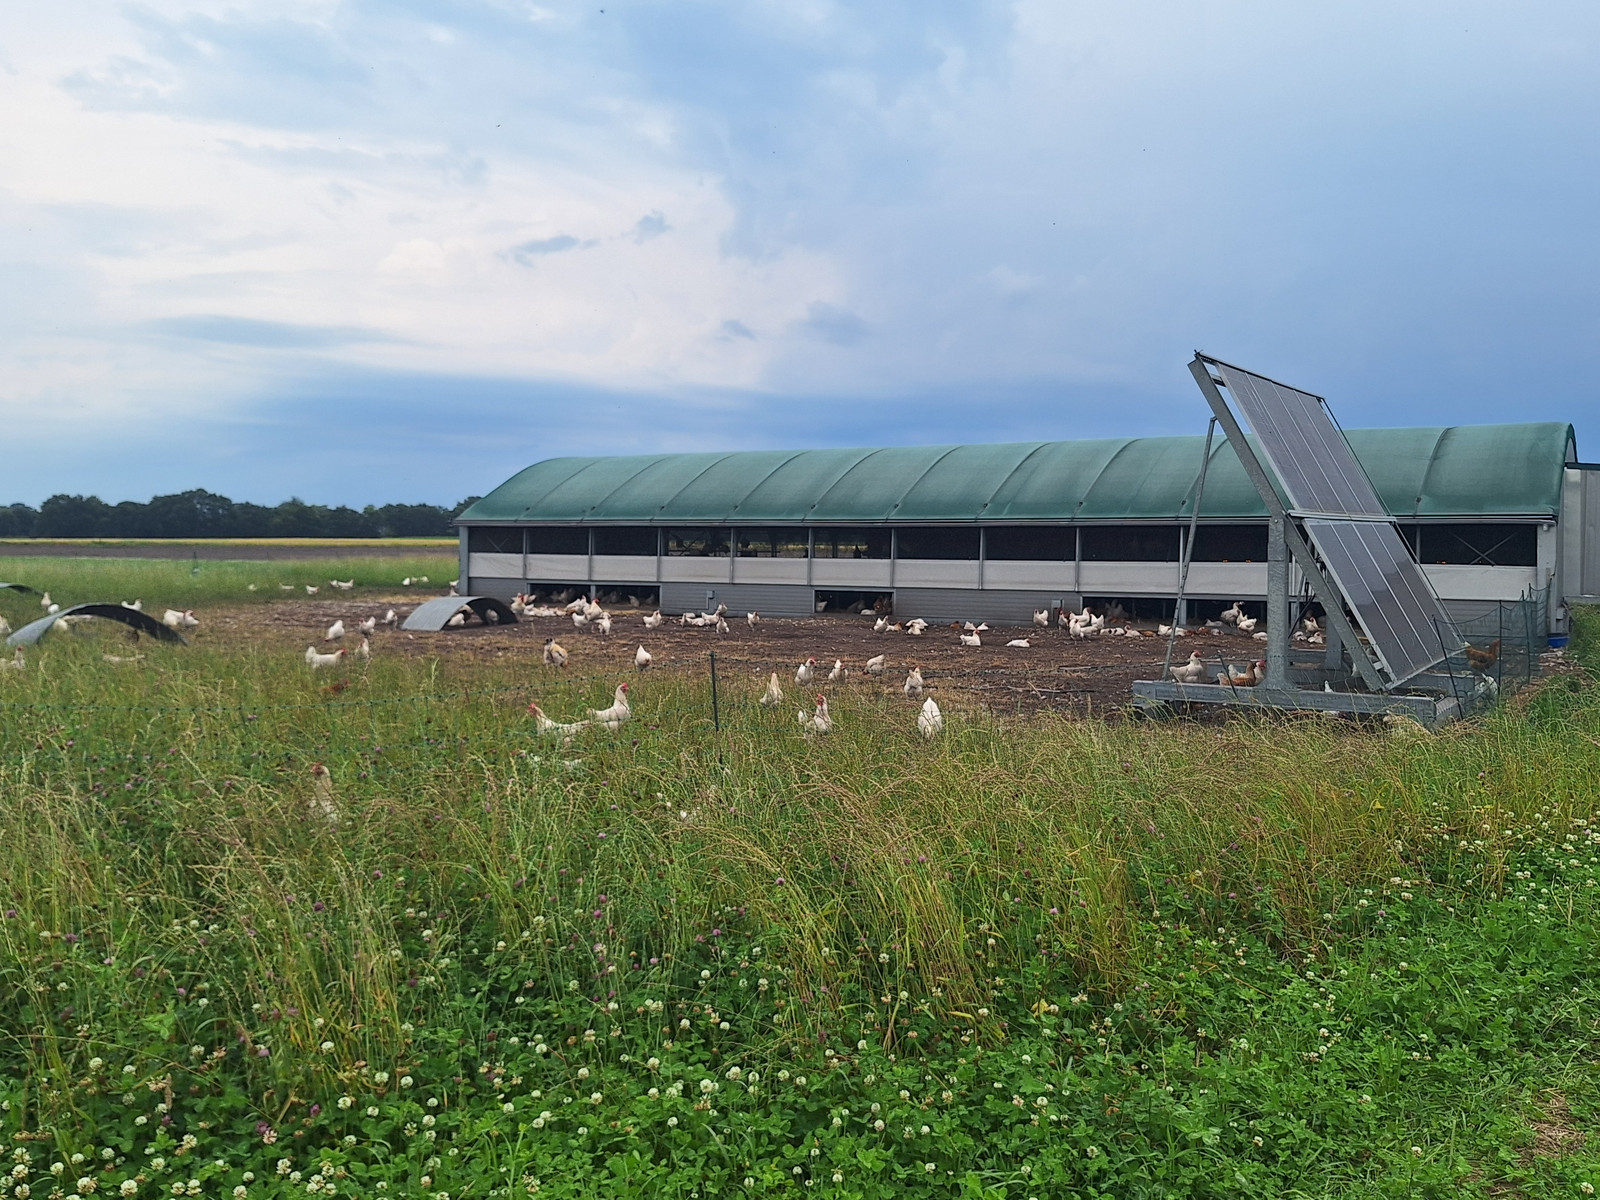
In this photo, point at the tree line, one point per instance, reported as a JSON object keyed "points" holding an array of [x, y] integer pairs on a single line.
{"points": [[203, 514]]}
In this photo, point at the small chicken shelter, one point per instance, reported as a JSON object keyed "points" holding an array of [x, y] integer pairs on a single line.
{"points": [[998, 531]]}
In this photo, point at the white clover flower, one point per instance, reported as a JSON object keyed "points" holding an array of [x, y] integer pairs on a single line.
{"points": [[372, 1110], [1093, 1151], [508, 1107], [405, 1081], [583, 1072], [380, 1078], [76, 1159], [672, 1121], [240, 1191], [707, 1086], [346, 1101], [96, 1063], [930, 1168], [129, 1187]]}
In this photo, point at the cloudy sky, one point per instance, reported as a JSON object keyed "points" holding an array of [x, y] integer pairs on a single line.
{"points": [[365, 252]]}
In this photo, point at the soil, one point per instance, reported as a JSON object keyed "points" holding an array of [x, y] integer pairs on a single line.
{"points": [[1056, 672]]}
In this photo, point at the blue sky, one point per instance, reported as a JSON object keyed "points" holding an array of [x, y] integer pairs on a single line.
{"points": [[368, 252]]}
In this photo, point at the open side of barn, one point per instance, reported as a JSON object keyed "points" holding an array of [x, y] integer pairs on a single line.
{"points": [[997, 532]]}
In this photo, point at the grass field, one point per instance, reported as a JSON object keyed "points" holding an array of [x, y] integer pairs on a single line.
{"points": [[1033, 958], [179, 583]]}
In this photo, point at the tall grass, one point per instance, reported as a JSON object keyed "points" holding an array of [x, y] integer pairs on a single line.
{"points": [[161, 811], [182, 583]]}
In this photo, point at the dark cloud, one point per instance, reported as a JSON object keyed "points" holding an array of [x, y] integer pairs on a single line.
{"points": [[835, 325], [650, 226], [526, 252]]}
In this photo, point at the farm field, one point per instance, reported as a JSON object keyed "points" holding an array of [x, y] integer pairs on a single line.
{"points": [[249, 549], [1039, 955]]}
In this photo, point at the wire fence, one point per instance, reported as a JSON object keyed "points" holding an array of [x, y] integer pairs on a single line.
{"points": [[1504, 641]]}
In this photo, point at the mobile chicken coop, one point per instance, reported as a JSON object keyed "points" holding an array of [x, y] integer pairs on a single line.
{"points": [[1493, 513]]}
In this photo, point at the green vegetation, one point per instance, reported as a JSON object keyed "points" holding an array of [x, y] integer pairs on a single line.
{"points": [[1041, 958], [185, 583]]}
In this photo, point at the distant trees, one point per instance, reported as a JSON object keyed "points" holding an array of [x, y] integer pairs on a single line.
{"points": [[203, 514]]}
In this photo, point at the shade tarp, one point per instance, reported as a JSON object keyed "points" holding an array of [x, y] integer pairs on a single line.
{"points": [[435, 615], [1463, 471], [144, 623]]}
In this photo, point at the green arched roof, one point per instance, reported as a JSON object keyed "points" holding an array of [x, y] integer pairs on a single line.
{"points": [[1453, 471]]}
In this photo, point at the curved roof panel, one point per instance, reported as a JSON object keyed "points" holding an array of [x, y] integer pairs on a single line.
{"points": [[1464, 470]]}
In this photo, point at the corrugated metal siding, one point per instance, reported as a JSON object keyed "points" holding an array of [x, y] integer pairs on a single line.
{"points": [[969, 604], [500, 589], [768, 599]]}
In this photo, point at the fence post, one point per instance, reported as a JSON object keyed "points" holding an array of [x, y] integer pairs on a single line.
{"points": [[716, 712]]}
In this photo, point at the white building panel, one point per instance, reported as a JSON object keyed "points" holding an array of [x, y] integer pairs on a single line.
{"points": [[1242, 581], [694, 570], [553, 568], [625, 568], [850, 572], [1480, 583], [936, 573], [1130, 578], [503, 566]]}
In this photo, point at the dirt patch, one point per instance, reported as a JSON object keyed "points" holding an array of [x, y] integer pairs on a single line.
{"points": [[1055, 672], [1554, 1134]]}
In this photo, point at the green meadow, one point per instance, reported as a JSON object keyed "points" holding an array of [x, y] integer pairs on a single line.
{"points": [[1032, 957]]}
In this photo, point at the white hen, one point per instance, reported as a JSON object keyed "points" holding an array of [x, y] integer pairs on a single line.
{"points": [[752, 619], [548, 728], [1193, 671], [641, 659], [819, 721], [614, 717], [312, 591], [837, 675], [912, 687], [364, 650], [1020, 644], [322, 802], [343, 585], [654, 620], [335, 632], [806, 672], [317, 661], [555, 654], [875, 665], [17, 663], [368, 627], [971, 639], [930, 720], [773, 696]]}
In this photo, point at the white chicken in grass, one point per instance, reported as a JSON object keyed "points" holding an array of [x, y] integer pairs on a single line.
{"points": [[545, 727], [752, 619], [312, 591], [971, 639], [137, 605], [5, 628], [364, 650], [616, 716], [875, 665], [322, 801], [653, 621], [343, 585], [368, 627], [930, 720], [912, 687], [641, 659], [173, 619], [819, 721], [773, 696], [1193, 671], [579, 620], [389, 618], [806, 672], [603, 623], [17, 663], [838, 674], [286, 587], [317, 661], [335, 632], [555, 654]]}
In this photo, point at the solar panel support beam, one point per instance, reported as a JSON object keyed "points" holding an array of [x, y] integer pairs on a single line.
{"points": [[1278, 519]]}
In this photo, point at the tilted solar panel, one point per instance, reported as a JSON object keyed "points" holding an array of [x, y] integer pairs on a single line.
{"points": [[1388, 593], [1303, 446]]}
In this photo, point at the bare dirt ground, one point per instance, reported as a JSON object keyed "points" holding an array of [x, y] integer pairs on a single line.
{"points": [[1057, 672]]}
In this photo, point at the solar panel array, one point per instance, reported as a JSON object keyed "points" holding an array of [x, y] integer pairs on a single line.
{"points": [[1303, 446], [1355, 536], [1387, 591]]}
